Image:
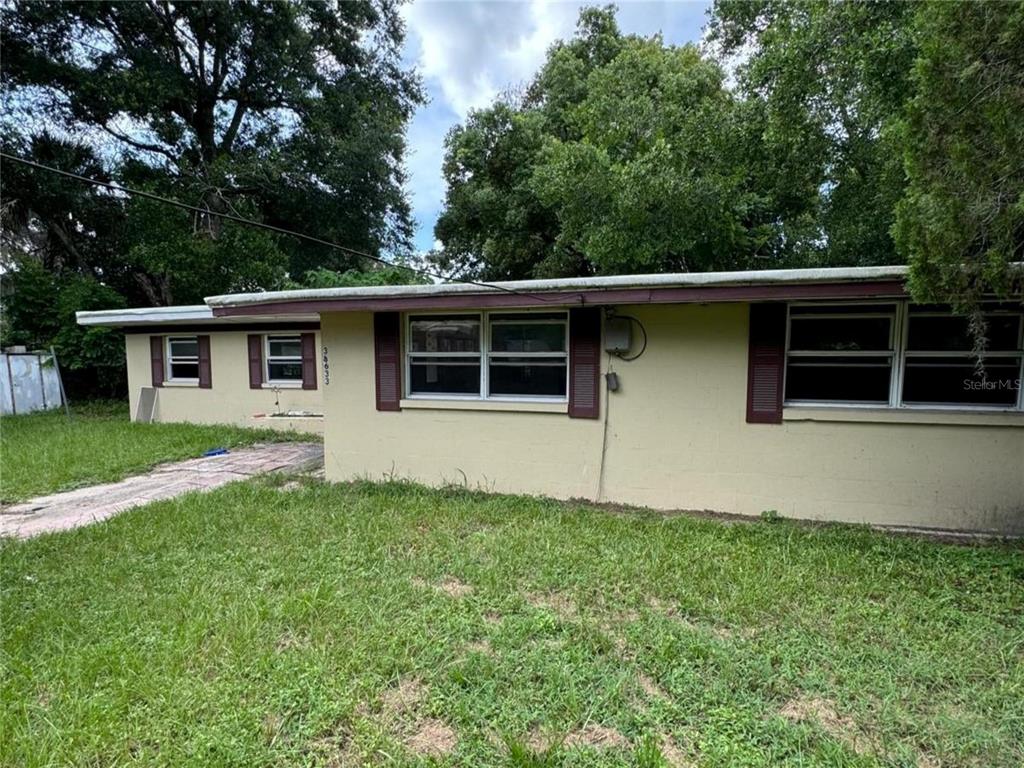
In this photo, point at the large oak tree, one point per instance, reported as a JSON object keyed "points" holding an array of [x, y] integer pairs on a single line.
{"points": [[292, 112]]}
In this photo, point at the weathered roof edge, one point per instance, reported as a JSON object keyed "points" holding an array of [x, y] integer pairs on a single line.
{"points": [[194, 315], [145, 315], [704, 287], [574, 284]]}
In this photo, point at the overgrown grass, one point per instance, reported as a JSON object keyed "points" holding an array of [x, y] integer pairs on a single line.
{"points": [[346, 625], [43, 452]]}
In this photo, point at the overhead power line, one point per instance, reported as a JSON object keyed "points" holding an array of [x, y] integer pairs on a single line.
{"points": [[262, 225]]}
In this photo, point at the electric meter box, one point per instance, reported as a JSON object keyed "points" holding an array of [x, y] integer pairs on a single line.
{"points": [[618, 335]]}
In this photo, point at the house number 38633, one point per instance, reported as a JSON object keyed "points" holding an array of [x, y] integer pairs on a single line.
{"points": [[327, 365]]}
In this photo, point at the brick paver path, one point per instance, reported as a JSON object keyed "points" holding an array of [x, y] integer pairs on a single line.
{"points": [[98, 502]]}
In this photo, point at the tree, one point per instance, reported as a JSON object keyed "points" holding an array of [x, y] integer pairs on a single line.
{"points": [[286, 113], [294, 110], [398, 274], [493, 224], [62, 224], [832, 78], [623, 155], [39, 312], [661, 178], [961, 222]]}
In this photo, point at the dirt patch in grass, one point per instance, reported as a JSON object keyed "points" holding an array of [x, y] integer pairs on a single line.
{"points": [[480, 646], [432, 738], [450, 586], [333, 751], [590, 735], [718, 631], [426, 737], [561, 605], [335, 747], [290, 641], [402, 698], [650, 688], [674, 755], [597, 736], [493, 618], [810, 709], [272, 724], [454, 587]]}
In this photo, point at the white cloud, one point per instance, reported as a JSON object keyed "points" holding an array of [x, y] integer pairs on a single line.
{"points": [[468, 52]]}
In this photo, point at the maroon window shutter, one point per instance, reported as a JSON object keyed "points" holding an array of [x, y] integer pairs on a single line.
{"points": [[767, 363], [387, 360], [156, 359], [255, 361], [584, 363], [308, 360], [205, 379]]}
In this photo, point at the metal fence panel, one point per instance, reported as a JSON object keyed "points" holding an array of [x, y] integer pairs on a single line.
{"points": [[28, 382]]}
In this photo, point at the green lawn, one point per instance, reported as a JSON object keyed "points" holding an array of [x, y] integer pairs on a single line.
{"points": [[344, 625], [43, 452]]}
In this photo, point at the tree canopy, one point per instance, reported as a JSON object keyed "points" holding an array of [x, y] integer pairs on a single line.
{"points": [[623, 155], [291, 114], [850, 134], [799, 133], [961, 222]]}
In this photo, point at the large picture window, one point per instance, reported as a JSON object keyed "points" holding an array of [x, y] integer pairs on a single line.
{"points": [[183, 359], [895, 355], [488, 356], [283, 359]]}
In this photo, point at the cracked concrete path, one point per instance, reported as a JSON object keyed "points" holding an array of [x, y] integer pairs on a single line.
{"points": [[83, 506]]}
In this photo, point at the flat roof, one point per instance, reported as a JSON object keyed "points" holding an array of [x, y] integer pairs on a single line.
{"points": [[688, 287], [194, 314]]}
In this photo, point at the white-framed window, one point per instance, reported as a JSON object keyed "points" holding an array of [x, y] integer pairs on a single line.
{"points": [[488, 355], [182, 354], [282, 358], [940, 366], [899, 355], [841, 353]]}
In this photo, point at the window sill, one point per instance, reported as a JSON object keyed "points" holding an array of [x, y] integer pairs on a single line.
{"points": [[972, 418], [522, 406], [281, 385], [183, 384]]}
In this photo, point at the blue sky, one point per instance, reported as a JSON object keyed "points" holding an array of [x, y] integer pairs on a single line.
{"points": [[468, 51]]}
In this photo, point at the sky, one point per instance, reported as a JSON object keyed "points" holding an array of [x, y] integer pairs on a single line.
{"points": [[469, 51]]}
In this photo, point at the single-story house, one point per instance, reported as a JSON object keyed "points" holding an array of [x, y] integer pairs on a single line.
{"points": [[184, 364], [819, 394]]}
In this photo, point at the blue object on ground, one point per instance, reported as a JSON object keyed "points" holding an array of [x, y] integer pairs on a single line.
{"points": [[216, 452]]}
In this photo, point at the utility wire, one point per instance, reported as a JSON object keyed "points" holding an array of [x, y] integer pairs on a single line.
{"points": [[262, 225]]}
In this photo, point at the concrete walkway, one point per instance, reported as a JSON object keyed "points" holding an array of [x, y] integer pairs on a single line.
{"points": [[72, 509]]}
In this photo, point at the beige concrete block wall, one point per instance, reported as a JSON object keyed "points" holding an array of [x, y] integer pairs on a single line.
{"points": [[229, 400], [678, 439]]}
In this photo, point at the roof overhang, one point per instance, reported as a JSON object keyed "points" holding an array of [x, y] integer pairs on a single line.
{"points": [[687, 288], [186, 318]]}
